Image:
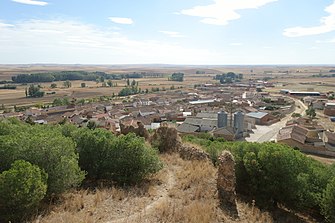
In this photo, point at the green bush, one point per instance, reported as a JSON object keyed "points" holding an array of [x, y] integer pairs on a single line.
{"points": [[22, 187], [134, 160], [124, 159], [272, 174], [328, 202], [44, 146]]}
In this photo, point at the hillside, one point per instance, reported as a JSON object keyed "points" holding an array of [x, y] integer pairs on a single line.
{"points": [[184, 191], [60, 173]]}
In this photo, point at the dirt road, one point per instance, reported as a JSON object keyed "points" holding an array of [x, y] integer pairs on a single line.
{"points": [[268, 133]]}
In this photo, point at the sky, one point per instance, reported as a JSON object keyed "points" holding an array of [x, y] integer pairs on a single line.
{"points": [[195, 32]]}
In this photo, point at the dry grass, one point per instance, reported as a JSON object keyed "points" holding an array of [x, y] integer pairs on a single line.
{"points": [[184, 191]]}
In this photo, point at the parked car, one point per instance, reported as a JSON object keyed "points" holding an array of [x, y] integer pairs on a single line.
{"points": [[332, 119]]}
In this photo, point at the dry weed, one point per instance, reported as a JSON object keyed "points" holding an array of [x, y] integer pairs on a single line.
{"points": [[184, 191]]}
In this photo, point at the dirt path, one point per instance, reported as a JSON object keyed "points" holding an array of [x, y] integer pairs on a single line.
{"points": [[162, 196]]}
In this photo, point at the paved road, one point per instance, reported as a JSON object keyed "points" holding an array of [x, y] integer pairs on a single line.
{"points": [[268, 133]]}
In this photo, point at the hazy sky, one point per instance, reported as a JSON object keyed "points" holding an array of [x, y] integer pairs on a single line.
{"points": [[167, 31]]}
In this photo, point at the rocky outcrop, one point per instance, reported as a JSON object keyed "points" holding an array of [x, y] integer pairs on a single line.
{"points": [[166, 139], [192, 153], [226, 184], [139, 131]]}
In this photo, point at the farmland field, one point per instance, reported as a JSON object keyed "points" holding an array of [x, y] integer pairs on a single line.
{"points": [[290, 77]]}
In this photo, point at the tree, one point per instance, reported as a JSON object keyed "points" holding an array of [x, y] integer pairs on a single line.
{"points": [[229, 77], [128, 82], [91, 125], [328, 202], [124, 159], [67, 84], [22, 187], [60, 102], [133, 83], [81, 101], [83, 85], [34, 91], [177, 77], [110, 83], [129, 91], [311, 112], [53, 85], [46, 147]]}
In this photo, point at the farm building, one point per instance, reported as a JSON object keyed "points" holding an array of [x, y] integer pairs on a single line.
{"points": [[304, 93], [329, 109], [261, 118]]}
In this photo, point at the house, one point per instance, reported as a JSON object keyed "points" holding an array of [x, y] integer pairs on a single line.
{"points": [[33, 112], [228, 133], [304, 93], [261, 118], [208, 115], [249, 109], [143, 112], [187, 128], [306, 123], [329, 109], [199, 102], [194, 124], [294, 136], [319, 104], [329, 140], [308, 100]]}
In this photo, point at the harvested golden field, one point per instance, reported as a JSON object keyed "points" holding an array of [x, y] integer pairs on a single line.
{"points": [[306, 84], [92, 89], [297, 78]]}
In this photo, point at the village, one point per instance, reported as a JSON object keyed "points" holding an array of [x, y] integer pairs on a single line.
{"points": [[234, 112]]}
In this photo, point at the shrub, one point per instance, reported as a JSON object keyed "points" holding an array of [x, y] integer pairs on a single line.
{"points": [[328, 202], [46, 147], [272, 173], [135, 160], [124, 159], [22, 187], [296, 115]]}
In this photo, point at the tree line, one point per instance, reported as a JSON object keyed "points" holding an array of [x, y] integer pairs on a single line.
{"points": [[77, 75], [228, 78]]}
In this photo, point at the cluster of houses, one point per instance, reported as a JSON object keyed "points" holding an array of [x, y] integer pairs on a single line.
{"points": [[316, 100], [228, 112], [307, 136], [192, 111]]}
